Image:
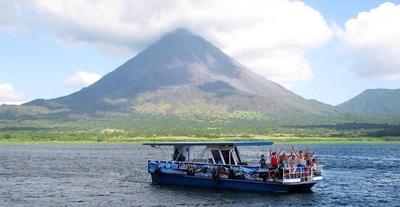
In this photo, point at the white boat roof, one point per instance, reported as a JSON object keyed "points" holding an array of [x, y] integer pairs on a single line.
{"points": [[232, 143]]}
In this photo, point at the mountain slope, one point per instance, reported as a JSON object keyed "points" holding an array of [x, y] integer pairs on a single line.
{"points": [[381, 102], [183, 74]]}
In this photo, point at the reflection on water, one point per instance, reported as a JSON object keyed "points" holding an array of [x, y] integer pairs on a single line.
{"points": [[115, 175]]}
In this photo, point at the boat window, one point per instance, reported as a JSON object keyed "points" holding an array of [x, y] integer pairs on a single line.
{"points": [[217, 156], [225, 154]]}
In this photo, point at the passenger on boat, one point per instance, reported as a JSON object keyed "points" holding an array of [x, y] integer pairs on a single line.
{"points": [[263, 162], [283, 165], [274, 159], [292, 164], [301, 161], [284, 159], [273, 165], [308, 156], [314, 167], [313, 164]]}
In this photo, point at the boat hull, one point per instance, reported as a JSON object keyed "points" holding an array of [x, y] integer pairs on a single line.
{"points": [[232, 184]]}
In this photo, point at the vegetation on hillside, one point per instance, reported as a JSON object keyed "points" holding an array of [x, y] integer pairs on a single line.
{"points": [[381, 102], [242, 125]]}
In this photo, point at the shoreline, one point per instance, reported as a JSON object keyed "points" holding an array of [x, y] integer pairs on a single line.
{"points": [[139, 140]]}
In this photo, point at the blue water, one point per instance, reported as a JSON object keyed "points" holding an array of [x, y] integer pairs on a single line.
{"points": [[115, 175]]}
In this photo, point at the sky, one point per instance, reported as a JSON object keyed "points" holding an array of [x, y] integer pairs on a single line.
{"points": [[325, 50]]}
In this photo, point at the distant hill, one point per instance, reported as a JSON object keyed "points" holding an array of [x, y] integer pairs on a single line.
{"points": [[183, 75], [380, 102]]}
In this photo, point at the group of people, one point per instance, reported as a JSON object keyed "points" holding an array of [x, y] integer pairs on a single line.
{"points": [[289, 163]]}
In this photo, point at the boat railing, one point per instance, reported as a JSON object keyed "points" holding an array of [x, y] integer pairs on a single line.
{"points": [[301, 174]]}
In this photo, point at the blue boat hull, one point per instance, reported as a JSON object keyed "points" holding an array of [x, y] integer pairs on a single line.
{"points": [[244, 185]]}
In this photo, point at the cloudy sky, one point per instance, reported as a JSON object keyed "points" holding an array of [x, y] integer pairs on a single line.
{"points": [[324, 50]]}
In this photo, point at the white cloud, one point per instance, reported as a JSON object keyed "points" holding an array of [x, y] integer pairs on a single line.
{"points": [[272, 37], [82, 78], [11, 16], [374, 39], [284, 66], [8, 95]]}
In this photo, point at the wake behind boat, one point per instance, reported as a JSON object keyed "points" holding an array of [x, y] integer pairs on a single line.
{"points": [[220, 165]]}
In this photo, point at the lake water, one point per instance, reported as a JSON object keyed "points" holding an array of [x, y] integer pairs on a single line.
{"points": [[115, 175]]}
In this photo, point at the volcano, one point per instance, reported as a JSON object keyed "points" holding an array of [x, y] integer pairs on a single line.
{"points": [[183, 74]]}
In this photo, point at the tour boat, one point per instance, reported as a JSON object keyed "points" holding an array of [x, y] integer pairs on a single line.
{"points": [[220, 165]]}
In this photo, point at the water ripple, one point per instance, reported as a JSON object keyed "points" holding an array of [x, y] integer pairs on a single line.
{"points": [[115, 175]]}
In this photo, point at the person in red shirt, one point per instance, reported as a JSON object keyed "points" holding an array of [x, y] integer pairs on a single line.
{"points": [[274, 159], [273, 165]]}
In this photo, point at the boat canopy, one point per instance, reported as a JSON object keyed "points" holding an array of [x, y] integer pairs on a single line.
{"points": [[232, 143]]}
